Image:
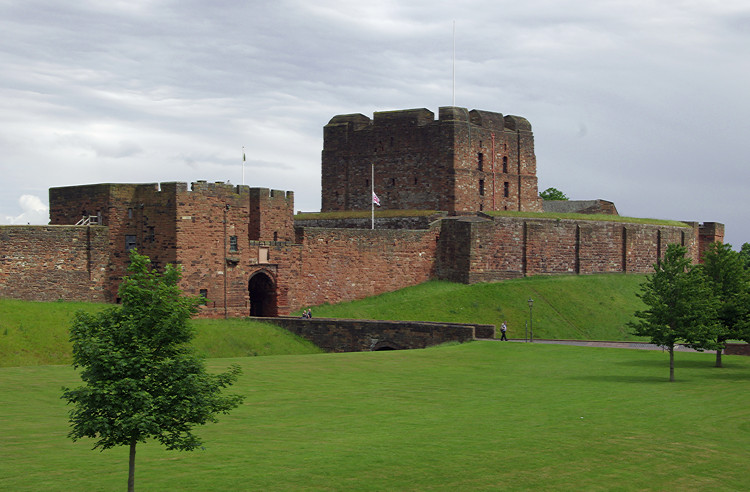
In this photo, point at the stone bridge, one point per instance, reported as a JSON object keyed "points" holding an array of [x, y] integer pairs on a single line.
{"points": [[357, 335]]}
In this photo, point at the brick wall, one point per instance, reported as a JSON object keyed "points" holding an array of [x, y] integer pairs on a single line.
{"points": [[343, 264], [485, 250], [47, 263]]}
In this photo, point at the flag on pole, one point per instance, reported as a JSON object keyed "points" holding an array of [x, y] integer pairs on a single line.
{"points": [[375, 199]]}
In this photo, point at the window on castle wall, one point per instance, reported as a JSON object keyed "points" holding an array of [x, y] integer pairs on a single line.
{"points": [[203, 293], [275, 236], [506, 189], [505, 164], [393, 181], [367, 183], [130, 213], [129, 242], [481, 187], [415, 180], [233, 244], [480, 161]]}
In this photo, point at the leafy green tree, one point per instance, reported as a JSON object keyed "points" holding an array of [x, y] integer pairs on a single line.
{"points": [[745, 255], [681, 306], [730, 281], [142, 377], [553, 194]]}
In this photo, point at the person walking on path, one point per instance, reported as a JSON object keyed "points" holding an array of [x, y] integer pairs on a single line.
{"points": [[503, 329]]}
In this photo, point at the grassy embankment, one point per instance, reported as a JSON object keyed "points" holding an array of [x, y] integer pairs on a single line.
{"points": [[574, 307], [595, 307], [477, 416], [36, 333]]}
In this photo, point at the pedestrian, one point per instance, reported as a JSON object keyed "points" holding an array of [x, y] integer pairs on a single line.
{"points": [[503, 329]]}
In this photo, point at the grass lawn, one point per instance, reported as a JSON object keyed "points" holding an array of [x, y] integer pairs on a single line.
{"points": [[478, 416]]}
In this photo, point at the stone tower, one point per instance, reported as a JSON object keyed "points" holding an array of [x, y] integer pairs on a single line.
{"points": [[466, 161]]}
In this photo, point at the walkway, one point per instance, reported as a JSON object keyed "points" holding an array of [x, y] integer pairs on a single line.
{"points": [[595, 343]]}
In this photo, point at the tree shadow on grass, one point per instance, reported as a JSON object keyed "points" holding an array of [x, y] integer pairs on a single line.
{"points": [[617, 378], [678, 363]]}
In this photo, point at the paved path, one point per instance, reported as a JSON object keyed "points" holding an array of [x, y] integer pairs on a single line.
{"points": [[594, 343]]}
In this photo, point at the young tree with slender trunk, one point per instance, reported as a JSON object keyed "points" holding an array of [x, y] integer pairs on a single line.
{"points": [[731, 284], [142, 379], [681, 306]]}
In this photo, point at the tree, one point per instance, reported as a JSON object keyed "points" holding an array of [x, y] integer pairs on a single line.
{"points": [[142, 377], [745, 255], [730, 282], [553, 194], [681, 306]]}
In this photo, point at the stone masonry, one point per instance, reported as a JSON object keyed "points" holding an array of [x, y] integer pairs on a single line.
{"points": [[241, 248]]}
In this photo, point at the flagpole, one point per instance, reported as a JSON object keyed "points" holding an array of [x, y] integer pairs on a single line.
{"points": [[372, 195], [454, 63], [243, 165]]}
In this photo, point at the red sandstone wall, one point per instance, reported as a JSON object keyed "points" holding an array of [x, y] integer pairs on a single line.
{"points": [[47, 263], [271, 215], [143, 211], [344, 264], [454, 163], [474, 250]]}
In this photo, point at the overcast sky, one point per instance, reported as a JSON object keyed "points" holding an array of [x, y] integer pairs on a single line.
{"points": [[644, 103]]}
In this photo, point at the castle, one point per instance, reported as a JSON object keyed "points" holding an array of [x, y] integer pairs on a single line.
{"points": [[244, 250]]}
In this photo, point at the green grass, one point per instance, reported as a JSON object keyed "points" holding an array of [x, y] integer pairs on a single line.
{"points": [[359, 214], [586, 307], [595, 217], [478, 416], [36, 333]]}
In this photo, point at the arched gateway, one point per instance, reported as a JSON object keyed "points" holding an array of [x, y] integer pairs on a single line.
{"points": [[262, 290]]}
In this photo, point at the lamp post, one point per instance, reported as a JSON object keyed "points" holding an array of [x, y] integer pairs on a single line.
{"points": [[531, 321]]}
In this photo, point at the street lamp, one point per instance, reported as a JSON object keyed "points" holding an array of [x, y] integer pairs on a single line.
{"points": [[531, 321]]}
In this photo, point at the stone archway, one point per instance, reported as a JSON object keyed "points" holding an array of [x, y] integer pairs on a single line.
{"points": [[385, 345], [262, 291]]}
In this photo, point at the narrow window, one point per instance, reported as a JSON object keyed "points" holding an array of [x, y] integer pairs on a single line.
{"points": [[232, 244], [393, 181], [506, 189], [129, 242], [367, 183], [204, 296], [481, 187], [480, 160], [505, 164], [415, 180], [130, 213], [275, 236]]}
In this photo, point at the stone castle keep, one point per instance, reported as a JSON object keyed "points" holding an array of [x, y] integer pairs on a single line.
{"points": [[246, 252]]}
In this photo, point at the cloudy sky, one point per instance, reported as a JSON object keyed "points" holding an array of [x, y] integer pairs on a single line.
{"points": [[639, 102]]}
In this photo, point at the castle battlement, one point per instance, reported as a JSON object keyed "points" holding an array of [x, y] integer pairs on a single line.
{"points": [[239, 247]]}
